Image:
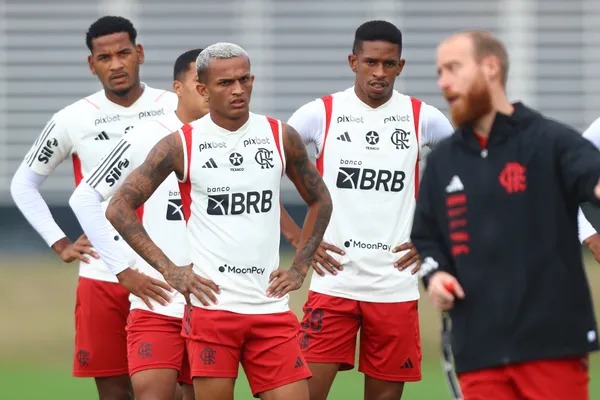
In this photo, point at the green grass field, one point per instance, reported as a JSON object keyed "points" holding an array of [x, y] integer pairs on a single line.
{"points": [[36, 335]]}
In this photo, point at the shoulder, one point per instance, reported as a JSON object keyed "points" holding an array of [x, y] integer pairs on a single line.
{"points": [[85, 106], [161, 96]]}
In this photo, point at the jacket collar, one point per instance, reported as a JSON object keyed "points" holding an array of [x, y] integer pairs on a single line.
{"points": [[503, 127]]}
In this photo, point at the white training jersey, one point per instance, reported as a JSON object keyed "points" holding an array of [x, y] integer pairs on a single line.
{"points": [[586, 229], [161, 215], [230, 195], [86, 131], [369, 160]]}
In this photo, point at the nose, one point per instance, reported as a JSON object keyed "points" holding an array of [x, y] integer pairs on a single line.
{"points": [[237, 89], [443, 82], [116, 63], [379, 71]]}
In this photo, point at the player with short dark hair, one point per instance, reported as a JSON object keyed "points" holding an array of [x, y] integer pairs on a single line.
{"points": [[84, 132], [156, 350], [369, 140], [496, 226]]}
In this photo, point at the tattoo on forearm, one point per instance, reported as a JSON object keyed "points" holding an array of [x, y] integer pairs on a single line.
{"points": [[135, 190], [313, 190]]}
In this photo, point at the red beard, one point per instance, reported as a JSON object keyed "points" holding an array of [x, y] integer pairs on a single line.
{"points": [[470, 107]]}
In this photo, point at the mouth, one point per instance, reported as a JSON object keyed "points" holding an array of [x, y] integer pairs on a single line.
{"points": [[378, 86], [118, 77], [237, 104], [452, 98]]}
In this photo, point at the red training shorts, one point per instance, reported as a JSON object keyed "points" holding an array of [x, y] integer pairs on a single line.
{"points": [[557, 379], [265, 344], [154, 341], [390, 345], [101, 311]]}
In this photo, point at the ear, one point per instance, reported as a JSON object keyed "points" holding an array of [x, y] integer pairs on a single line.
{"points": [[353, 62], [202, 89], [491, 67], [91, 64], [177, 88], [139, 49], [401, 64]]}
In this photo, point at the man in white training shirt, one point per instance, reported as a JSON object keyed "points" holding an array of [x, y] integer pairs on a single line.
{"points": [[85, 131], [230, 165], [587, 233], [156, 350], [369, 138]]}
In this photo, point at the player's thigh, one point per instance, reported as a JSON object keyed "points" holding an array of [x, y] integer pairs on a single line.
{"points": [[329, 329], [486, 384], [214, 342], [323, 375], [390, 345], [292, 391], [377, 389], [553, 379], [187, 391], [156, 354], [213, 388], [271, 356], [101, 312], [155, 384]]}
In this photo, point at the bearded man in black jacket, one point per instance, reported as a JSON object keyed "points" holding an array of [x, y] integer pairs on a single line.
{"points": [[496, 227]]}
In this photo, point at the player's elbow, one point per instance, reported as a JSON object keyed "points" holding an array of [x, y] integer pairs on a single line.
{"points": [[113, 210]]}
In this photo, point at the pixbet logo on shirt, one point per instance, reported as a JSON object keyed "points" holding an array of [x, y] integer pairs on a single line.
{"points": [[241, 270], [151, 113], [396, 118], [369, 179], [366, 246], [107, 119], [256, 141], [239, 203], [350, 118], [212, 145]]}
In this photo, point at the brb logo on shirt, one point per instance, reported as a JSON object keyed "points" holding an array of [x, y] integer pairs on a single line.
{"points": [[174, 207], [115, 173], [369, 179], [239, 203]]}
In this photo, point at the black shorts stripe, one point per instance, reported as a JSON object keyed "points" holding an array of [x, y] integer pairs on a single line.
{"points": [[108, 163]]}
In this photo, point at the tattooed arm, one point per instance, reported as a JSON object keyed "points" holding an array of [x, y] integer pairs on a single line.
{"points": [[166, 157], [311, 187]]}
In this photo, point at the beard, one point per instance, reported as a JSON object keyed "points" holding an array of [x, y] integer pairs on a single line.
{"points": [[470, 107]]}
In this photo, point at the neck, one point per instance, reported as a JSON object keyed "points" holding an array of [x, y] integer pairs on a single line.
{"points": [[500, 104], [229, 123], [128, 98], [186, 116], [373, 103]]}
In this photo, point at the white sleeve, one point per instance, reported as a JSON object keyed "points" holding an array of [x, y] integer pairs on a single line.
{"points": [[87, 206], [52, 146], [25, 191], [309, 121], [592, 133], [113, 168], [434, 126]]}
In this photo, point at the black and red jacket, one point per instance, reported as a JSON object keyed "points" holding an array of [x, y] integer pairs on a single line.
{"points": [[503, 220]]}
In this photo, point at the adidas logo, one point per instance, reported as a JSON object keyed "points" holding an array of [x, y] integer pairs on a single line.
{"points": [[344, 137], [102, 136], [210, 164], [299, 362], [455, 185], [407, 364]]}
